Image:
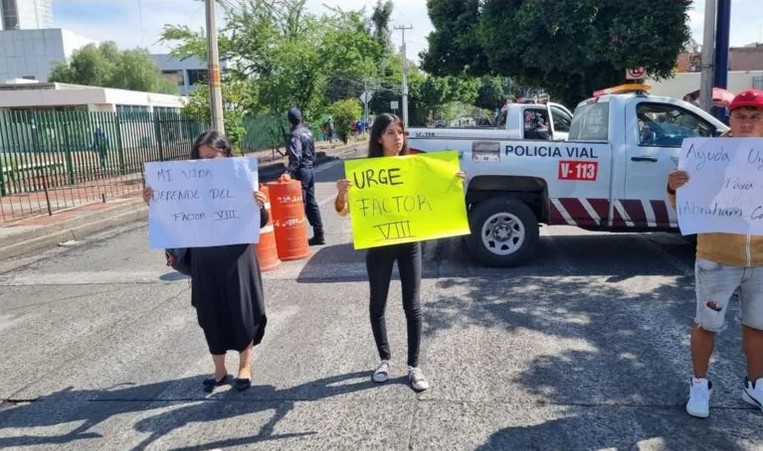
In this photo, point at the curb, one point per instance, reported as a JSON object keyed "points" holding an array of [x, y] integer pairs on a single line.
{"points": [[125, 212], [75, 228]]}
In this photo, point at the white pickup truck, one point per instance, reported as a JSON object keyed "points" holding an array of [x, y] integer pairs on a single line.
{"points": [[549, 121], [610, 175]]}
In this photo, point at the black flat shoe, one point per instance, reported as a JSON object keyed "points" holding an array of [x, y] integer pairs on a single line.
{"points": [[209, 384], [242, 384]]}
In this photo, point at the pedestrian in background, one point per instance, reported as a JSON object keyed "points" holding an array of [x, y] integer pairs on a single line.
{"points": [[301, 149], [387, 140], [226, 287], [727, 262]]}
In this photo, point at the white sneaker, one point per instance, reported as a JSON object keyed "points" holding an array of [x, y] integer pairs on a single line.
{"points": [[699, 398], [753, 392], [416, 379], [381, 374]]}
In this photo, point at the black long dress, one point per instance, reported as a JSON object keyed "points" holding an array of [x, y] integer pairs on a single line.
{"points": [[226, 289]]}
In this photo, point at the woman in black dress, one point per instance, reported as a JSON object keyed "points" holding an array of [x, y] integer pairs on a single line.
{"points": [[226, 288]]}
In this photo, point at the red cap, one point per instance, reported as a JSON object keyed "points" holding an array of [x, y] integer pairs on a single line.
{"points": [[748, 98]]}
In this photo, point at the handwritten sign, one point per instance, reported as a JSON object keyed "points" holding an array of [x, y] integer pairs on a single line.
{"points": [[404, 199], [725, 188], [203, 203]]}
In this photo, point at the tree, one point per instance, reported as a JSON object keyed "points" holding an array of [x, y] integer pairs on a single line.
{"points": [[106, 66], [570, 48], [491, 93], [238, 99], [380, 18], [293, 57], [351, 55], [454, 48], [344, 113]]}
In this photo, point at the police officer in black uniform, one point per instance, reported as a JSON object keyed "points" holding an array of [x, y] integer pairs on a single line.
{"points": [[301, 160]]}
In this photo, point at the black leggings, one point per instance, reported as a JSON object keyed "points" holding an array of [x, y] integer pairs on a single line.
{"points": [[379, 262]]}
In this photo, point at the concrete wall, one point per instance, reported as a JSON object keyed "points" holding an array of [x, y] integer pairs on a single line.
{"points": [[686, 82], [33, 53], [102, 99]]}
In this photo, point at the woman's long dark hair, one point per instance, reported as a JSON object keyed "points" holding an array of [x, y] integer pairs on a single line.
{"points": [[214, 139], [381, 123]]}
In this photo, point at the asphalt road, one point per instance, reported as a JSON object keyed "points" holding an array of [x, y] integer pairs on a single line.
{"points": [[585, 347]]}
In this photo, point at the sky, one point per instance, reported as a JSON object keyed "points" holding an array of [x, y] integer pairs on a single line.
{"points": [[138, 23]]}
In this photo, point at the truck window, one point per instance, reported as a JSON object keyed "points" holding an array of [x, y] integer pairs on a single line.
{"points": [[662, 125], [562, 120], [536, 124], [590, 122]]}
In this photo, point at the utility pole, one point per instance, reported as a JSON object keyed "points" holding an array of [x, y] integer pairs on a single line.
{"points": [[722, 24], [708, 54], [213, 64], [405, 76]]}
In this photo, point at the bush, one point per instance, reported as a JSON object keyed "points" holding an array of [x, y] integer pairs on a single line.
{"points": [[344, 113]]}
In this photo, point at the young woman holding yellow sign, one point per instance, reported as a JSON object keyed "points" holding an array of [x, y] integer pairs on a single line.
{"points": [[388, 140]]}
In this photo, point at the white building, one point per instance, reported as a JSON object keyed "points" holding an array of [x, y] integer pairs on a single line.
{"points": [[685, 82], [60, 96], [26, 14], [32, 54]]}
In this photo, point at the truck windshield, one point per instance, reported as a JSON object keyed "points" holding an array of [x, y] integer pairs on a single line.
{"points": [[590, 122]]}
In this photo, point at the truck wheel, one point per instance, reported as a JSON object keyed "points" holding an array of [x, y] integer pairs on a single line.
{"points": [[504, 232]]}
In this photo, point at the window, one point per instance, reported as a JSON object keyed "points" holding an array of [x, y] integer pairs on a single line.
{"points": [[197, 76], [502, 119], [562, 120], [536, 123], [661, 125], [590, 122], [10, 15]]}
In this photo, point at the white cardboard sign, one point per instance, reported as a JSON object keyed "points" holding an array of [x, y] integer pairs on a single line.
{"points": [[725, 188], [203, 203]]}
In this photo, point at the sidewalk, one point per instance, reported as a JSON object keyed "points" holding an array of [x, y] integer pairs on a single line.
{"points": [[39, 232]]}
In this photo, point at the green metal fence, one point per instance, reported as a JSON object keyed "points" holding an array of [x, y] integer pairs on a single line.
{"points": [[264, 132], [50, 160]]}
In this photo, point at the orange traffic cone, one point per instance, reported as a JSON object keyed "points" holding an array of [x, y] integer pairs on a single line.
{"points": [[266, 249], [289, 219]]}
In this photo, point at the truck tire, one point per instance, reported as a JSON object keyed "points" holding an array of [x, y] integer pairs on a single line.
{"points": [[504, 232]]}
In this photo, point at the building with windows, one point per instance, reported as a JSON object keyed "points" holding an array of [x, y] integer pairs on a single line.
{"points": [[66, 97], [26, 14], [185, 73], [29, 47]]}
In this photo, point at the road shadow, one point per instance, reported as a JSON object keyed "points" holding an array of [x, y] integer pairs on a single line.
{"points": [[588, 429], [90, 408], [620, 309]]}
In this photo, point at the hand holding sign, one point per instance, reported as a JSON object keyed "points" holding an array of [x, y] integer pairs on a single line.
{"points": [[677, 179]]}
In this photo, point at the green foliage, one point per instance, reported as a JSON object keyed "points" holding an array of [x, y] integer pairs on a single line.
{"points": [[293, 57], [380, 18], [491, 94], [568, 47], [454, 48], [238, 98], [106, 66], [344, 112]]}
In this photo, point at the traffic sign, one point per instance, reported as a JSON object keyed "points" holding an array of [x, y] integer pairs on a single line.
{"points": [[393, 104], [637, 73], [366, 96]]}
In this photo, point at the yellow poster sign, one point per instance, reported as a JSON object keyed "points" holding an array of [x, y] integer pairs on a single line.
{"points": [[404, 199]]}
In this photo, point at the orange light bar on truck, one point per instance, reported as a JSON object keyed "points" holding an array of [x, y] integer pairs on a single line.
{"points": [[622, 89]]}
